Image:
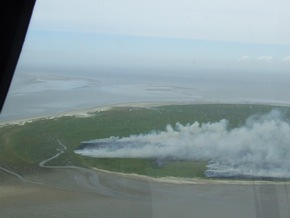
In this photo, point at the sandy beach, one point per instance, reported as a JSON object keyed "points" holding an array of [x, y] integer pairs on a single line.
{"points": [[88, 111]]}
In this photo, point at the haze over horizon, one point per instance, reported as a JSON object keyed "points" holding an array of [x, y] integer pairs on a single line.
{"points": [[159, 36]]}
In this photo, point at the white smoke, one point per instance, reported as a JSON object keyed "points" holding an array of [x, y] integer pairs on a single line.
{"points": [[259, 148]]}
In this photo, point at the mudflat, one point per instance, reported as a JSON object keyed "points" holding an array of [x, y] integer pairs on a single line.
{"points": [[90, 193]]}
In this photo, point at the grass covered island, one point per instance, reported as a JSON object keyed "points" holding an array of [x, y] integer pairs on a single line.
{"points": [[23, 147]]}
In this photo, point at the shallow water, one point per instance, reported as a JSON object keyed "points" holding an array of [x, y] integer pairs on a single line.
{"points": [[42, 94]]}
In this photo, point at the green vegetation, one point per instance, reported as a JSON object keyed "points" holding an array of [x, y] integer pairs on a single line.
{"points": [[24, 146]]}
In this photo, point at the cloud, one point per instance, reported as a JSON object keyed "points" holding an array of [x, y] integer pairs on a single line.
{"points": [[244, 58], [259, 148], [265, 58], [286, 59]]}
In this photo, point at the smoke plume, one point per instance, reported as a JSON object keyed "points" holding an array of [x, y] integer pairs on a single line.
{"points": [[260, 148]]}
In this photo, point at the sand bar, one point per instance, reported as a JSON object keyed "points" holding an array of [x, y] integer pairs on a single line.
{"points": [[87, 112]]}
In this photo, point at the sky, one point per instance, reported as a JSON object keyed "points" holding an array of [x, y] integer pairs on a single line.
{"points": [[159, 36]]}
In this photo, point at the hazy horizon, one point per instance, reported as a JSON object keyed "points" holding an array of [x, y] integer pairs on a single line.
{"points": [[159, 36]]}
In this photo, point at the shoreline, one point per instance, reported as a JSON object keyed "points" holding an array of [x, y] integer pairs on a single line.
{"points": [[86, 111], [189, 181]]}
